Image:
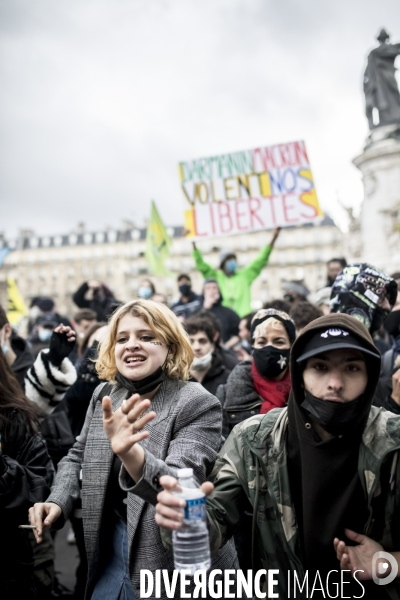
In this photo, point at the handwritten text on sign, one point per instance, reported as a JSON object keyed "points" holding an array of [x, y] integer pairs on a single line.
{"points": [[248, 191]]}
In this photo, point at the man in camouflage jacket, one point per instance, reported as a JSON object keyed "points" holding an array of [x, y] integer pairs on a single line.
{"points": [[253, 465]]}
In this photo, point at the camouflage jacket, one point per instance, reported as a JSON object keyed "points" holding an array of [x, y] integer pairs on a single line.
{"points": [[253, 464]]}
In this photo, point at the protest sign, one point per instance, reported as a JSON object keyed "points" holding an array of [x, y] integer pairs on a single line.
{"points": [[248, 191]]}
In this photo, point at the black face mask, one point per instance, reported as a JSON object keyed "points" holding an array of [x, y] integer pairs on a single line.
{"points": [[143, 386], [392, 323], [185, 289], [335, 417], [271, 361]]}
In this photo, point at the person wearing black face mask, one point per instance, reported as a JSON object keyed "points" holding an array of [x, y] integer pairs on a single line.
{"points": [[322, 475], [259, 385], [189, 302], [255, 387], [334, 373]]}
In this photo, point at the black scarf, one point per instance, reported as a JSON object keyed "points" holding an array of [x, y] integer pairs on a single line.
{"points": [[326, 488], [143, 386]]}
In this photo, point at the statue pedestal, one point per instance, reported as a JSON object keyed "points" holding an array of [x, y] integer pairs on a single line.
{"points": [[380, 210]]}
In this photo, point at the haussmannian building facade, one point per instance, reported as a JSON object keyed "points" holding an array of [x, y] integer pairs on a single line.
{"points": [[57, 265]]}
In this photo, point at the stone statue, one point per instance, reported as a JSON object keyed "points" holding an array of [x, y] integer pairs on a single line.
{"points": [[380, 85]]}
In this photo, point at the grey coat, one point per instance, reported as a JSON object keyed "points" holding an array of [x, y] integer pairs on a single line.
{"points": [[185, 433]]}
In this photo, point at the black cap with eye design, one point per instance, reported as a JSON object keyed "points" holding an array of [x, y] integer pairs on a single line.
{"points": [[333, 338]]}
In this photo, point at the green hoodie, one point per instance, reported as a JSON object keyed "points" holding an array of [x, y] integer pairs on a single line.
{"points": [[236, 288], [252, 465]]}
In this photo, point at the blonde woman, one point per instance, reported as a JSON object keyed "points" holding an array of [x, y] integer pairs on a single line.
{"points": [[151, 421]]}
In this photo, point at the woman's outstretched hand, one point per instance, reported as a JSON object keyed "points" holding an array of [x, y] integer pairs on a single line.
{"points": [[124, 427], [357, 558]]}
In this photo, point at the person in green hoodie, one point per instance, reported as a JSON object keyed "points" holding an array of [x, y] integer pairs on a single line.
{"points": [[234, 283], [320, 474]]}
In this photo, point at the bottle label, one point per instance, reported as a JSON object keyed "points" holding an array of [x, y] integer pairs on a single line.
{"points": [[195, 509]]}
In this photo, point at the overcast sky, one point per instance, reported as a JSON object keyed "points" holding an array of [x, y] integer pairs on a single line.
{"points": [[102, 98]]}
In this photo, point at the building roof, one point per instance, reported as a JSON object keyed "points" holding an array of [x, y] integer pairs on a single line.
{"points": [[111, 236]]}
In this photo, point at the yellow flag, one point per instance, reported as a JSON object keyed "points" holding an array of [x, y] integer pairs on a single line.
{"points": [[158, 243], [16, 305]]}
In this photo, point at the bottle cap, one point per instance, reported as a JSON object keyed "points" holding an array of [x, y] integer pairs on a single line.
{"points": [[185, 473]]}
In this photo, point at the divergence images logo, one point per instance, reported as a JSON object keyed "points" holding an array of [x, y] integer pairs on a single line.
{"points": [[383, 567]]}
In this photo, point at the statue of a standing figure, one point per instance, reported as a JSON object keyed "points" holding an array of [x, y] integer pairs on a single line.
{"points": [[380, 85]]}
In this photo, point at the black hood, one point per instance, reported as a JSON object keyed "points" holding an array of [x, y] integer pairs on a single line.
{"points": [[345, 322], [323, 473]]}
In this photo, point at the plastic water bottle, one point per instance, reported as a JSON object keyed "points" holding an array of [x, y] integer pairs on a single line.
{"points": [[191, 542]]}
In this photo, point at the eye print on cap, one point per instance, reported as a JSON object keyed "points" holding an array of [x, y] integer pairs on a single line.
{"points": [[334, 333]]}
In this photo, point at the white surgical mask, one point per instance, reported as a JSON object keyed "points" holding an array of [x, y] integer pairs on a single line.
{"points": [[202, 362], [44, 334]]}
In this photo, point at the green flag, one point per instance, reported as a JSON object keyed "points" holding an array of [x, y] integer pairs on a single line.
{"points": [[158, 243]]}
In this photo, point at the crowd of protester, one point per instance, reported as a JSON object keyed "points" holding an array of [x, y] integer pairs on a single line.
{"points": [[98, 410]]}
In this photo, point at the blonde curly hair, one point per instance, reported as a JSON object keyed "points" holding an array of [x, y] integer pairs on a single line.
{"points": [[167, 328]]}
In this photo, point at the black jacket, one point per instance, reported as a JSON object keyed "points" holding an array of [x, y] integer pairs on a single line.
{"points": [[229, 320], [24, 359], [26, 475], [78, 396], [229, 357], [238, 397], [103, 307]]}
